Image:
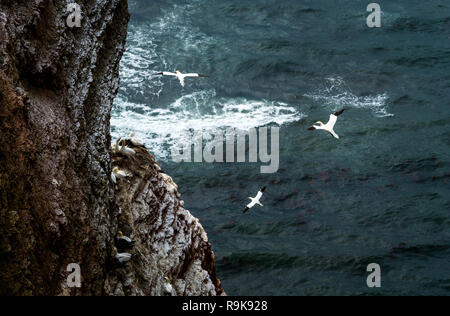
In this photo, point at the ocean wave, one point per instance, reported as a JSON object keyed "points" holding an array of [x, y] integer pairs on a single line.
{"points": [[136, 64], [161, 128], [146, 55], [336, 94], [145, 106]]}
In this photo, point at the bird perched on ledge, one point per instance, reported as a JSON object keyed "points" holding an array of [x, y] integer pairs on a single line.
{"points": [[124, 242], [167, 287], [120, 147], [125, 150], [122, 257], [329, 127], [136, 141], [119, 174]]}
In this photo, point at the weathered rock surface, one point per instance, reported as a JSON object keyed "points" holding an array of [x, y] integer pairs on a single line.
{"points": [[57, 202], [169, 241]]}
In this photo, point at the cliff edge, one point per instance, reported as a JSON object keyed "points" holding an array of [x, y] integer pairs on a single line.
{"points": [[170, 245], [58, 204]]}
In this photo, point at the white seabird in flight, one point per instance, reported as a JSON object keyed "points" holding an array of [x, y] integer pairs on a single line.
{"points": [[180, 76], [255, 200], [329, 127]]}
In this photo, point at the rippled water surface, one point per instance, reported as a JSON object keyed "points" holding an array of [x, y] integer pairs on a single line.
{"points": [[379, 194]]}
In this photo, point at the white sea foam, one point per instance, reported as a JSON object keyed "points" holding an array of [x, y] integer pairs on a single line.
{"points": [[162, 128], [146, 54], [164, 125], [136, 64], [336, 94]]}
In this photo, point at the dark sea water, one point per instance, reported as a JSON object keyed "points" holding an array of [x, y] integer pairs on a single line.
{"points": [[380, 194]]}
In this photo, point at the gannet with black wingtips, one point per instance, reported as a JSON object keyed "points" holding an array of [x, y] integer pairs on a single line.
{"points": [[180, 75], [329, 127], [255, 200]]}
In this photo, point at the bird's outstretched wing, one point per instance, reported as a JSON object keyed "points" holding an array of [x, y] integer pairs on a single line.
{"points": [[245, 210], [332, 121], [260, 193], [333, 118], [195, 75], [165, 73], [338, 112]]}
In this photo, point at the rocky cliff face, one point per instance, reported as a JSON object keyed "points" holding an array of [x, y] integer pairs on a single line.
{"points": [[169, 242], [57, 201]]}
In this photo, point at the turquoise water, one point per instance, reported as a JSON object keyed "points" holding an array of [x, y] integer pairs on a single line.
{"points": [[379, 194]]}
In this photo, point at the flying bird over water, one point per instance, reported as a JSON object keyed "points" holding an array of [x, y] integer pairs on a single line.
{"points": [[255, 200], [329, 127], [179, 75]]}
